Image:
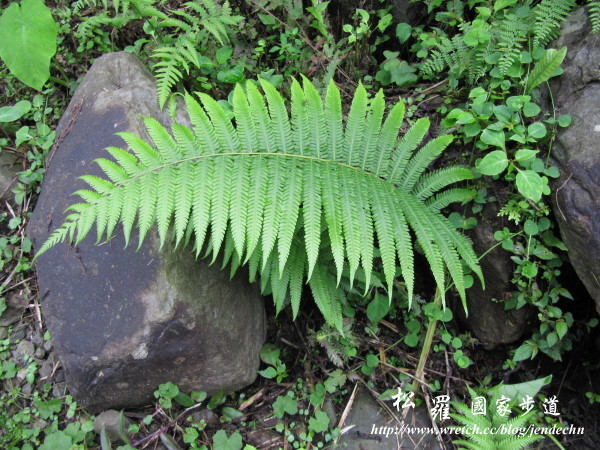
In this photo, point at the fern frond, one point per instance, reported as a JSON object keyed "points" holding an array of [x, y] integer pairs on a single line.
{"points": [[172, 60], [594, 14], [492, 420], [549, 14], [193, 26], [512, 33], [263, 187], [115, 14]]}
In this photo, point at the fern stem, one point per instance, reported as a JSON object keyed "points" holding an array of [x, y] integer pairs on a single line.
{"points": [[214, 155], [431, 328]]}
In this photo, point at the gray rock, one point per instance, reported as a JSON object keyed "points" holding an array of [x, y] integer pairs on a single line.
{"points": [[368, 418], [110, 420], [487, 319], [59, 390], [407, 11], [21, 374], [37, 338], [39, 353], [60, 376], [3, 333], [48, 345], [576, 151], [264, 438], [329, 409], [124, 321], [10, 316], [8, 174], [17, 334], [47, 368], [207, 416], [25, 348], [15, 308]]}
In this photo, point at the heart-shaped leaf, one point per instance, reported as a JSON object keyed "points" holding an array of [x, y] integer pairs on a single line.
{"points": [[28, 41]]}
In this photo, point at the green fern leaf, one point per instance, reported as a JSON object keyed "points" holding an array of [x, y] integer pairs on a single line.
{"points": [[549, 14], [317, 131], [311, 213], [388, 138], [261, 190], [240, 204], [201, 201], [289, 209], [372, 130], [419, 162], [259, 177], [278, 116], [433, 182], [220, 202], [594, 13], [332, 209], [355, 127], [449, 196], [406, 147]]}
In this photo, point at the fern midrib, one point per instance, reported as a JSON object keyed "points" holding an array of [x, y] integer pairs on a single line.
{"points": [[215, 155]]}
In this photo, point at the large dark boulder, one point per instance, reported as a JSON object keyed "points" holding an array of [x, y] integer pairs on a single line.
{"points": [[576, 151], [487, 317], [124, 321]]}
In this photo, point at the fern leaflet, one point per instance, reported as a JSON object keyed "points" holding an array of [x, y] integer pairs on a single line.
{"points": [[594, 13]]}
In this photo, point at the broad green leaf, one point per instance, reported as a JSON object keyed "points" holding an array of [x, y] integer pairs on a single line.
{"points": [[285, 404], [565, 120], [561, 329], [524, 155], [525, 351], [28, 41], [57, 439], [403, 31], [530, 184], [530, 227], [536, 130], [545, 68], [531, 109], [319, 423], [411, 340], [269, 372], [493, 163], [223, 442], [15, 112], [520, 390], [529, 270], [372, 360], [552, 339], [501, 4], [495, 138], [269, 353], [378, 308]]}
